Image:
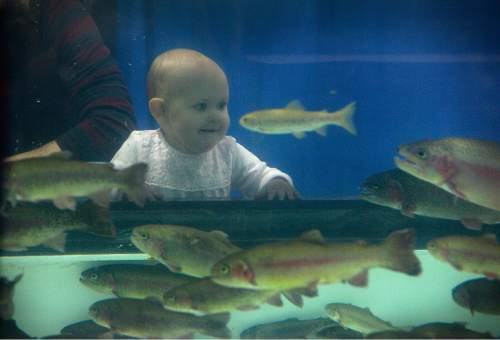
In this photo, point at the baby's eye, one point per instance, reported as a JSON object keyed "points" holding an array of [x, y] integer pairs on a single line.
{"points": [[221, 106], [200, 106]]}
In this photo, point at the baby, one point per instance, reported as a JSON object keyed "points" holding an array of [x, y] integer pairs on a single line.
{"points": [[190, 157]]}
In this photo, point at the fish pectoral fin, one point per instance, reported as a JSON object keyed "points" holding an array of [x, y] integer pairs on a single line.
{"points": [[472, 223], [299, 134], [58, 242], [275, 300], [65, 202], [66, 155], [408, 208], [295, 105], [360, 279], [321, 131]]}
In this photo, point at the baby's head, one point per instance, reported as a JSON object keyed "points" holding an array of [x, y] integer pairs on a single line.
{"points": [[188, 94]]}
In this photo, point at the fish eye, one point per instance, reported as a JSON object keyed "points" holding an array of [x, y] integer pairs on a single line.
{"points": [[422, 153], [224, 269], [144, 236], [200, 106], [93, 276]]}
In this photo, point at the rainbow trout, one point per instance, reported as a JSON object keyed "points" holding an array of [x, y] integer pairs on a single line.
{"points": [[467, 168], [133, 280], [398, 190], [309, 261], [295, 120], [148, 319], [183, 249], [478, 295], [29, 225], [61, 180], [479, 255]]}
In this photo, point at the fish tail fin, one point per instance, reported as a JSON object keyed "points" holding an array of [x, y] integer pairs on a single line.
{"points": [[344, 118], [97, 218], [215, 325], [134, 177], [399, 255]]}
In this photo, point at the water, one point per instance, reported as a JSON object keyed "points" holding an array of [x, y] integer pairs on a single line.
{"points": [[50, 296], [416, 69]]}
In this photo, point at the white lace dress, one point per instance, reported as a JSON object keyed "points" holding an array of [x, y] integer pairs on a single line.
{"points": [[173, 175]]}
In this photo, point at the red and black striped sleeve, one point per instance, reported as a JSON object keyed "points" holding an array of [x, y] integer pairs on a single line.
{"points": [[93, 82]]}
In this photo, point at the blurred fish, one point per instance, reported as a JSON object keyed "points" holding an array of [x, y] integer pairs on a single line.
{"points": [[87, 329], [478, 295], [133, 280], [183, 249], [30, 225], [398, 190], [467, 168], [394, 334], [310, 260], [7, 296], [204, 296], [295, 120], [443, 330], [61, 180], [292, 328], [148, 319], [337, 332], [479, 255], [359, 319]]}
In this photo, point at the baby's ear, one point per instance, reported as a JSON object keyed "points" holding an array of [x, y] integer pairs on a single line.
{"points": [[157, 107]]}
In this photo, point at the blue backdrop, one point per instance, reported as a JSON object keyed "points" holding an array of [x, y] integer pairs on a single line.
{"points": [[417, 70]]}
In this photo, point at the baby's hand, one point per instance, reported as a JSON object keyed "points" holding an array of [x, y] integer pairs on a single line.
{"points": [[278, 187]]}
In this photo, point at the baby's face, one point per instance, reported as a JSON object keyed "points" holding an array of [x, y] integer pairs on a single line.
{"points": [[197, 117]]}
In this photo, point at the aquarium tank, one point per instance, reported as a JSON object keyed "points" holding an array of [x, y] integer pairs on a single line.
{"points": [[250, 169]]}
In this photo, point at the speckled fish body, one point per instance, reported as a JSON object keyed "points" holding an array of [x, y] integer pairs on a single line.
{"points": [[467, 168], [292, 328], [356, 318], [133, 280], [473, 254], [147, 319], [60, 179], [183, 249], [412, 196], [478, 295], [28, 225], [294, 119], [207, 297], [310, 260]]}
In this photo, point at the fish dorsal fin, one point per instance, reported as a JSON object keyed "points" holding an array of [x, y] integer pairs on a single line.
{"points": [[313, 236], [60, 155], [490, 237], [219, 234], [295, 105]]}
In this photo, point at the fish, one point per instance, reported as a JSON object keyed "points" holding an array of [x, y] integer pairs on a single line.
{"points": [[133, 280], [356, 318], [29, 225], [148, 319], [206, 297], [394, 334], [478, 295], [291, 328], [473, 254], [444, 330], [309, 261], [183, 249], [295, 120], [86, 329], [337, 332], [61, 180], [399, 190], [467, 168], [7, 296]]}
